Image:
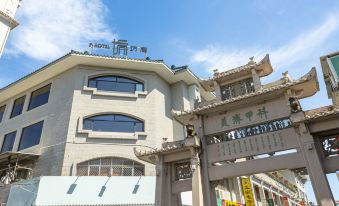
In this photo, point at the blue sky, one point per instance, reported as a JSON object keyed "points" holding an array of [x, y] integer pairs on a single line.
{"points": [[202, 34]]}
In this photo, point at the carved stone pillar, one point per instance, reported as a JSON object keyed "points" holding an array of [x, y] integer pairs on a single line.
{"points": [[335, 98], [197, 194], [209, 197], [163, 193], [314, 167], [256, 80], [217, 91]]}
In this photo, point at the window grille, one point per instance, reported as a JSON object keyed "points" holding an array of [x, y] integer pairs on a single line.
{"points": [[330, 145], [111, 166], [236, 89], [183, 170]]}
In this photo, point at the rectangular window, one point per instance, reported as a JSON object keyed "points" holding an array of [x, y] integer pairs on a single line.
{"points": [[39, 97], [2, 112], [18, 106], [31, 135], [237, 89], [8, 142]]}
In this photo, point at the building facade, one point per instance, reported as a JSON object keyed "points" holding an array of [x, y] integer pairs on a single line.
{"points": [[83, 114], [88, 115], [7, 22]]}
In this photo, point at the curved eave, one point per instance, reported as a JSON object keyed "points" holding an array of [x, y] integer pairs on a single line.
{"points": [[150, 156], [323, 113], [74, 59], [304, 87], [307, 88], [323, 117], [263, 68]]}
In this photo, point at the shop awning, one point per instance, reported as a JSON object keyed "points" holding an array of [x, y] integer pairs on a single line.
{"points": [[87, 191]]}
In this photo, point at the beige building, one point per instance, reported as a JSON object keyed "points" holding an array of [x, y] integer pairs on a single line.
{"points": [[83, 114]]}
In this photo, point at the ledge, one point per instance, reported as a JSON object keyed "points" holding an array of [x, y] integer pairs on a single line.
{"points": [[113, 135], [114, 94]]}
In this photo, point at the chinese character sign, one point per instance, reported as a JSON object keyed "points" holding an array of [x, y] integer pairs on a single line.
{"points": [[260, 113], [247, 190], [121, 48]]}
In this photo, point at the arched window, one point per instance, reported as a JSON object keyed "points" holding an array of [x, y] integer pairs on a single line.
{"points": [[113, 123], [116, 83], [110, 166]]}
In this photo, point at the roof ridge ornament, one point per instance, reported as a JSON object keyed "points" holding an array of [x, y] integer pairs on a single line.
{"points": [[216, 72], [286, 77], [251, 62]]}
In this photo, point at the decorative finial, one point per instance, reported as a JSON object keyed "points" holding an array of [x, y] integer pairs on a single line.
{"points": [[251, 60], [294, 104], [190, 130], [287, 77], [215, 72]]}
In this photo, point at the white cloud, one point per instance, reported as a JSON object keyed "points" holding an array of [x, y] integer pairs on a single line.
{"points": [[305, 44], [49, 29], [299, 48], [216, 57]]}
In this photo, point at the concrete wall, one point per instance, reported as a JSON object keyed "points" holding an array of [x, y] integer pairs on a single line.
{"points": [[55, 115], [183, 97], [63, 143], [154, 108]]}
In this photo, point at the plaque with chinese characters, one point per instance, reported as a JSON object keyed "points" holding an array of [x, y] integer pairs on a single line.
{"points": [[251, 115]]}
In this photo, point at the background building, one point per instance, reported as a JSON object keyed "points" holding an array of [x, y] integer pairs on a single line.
{"points": [[7, 21]]}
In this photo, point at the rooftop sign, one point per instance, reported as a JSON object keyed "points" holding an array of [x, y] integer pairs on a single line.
{"points": [[120, 48]]}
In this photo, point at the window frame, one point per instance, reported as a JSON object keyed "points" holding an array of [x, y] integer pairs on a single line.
{"points": [[111, 135], [31, 97], [230, 92], [3, 113], [4, 139], [22, 133], [88, 164], [22, 108], [114, 121], [97, 92], [129, 81]]}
